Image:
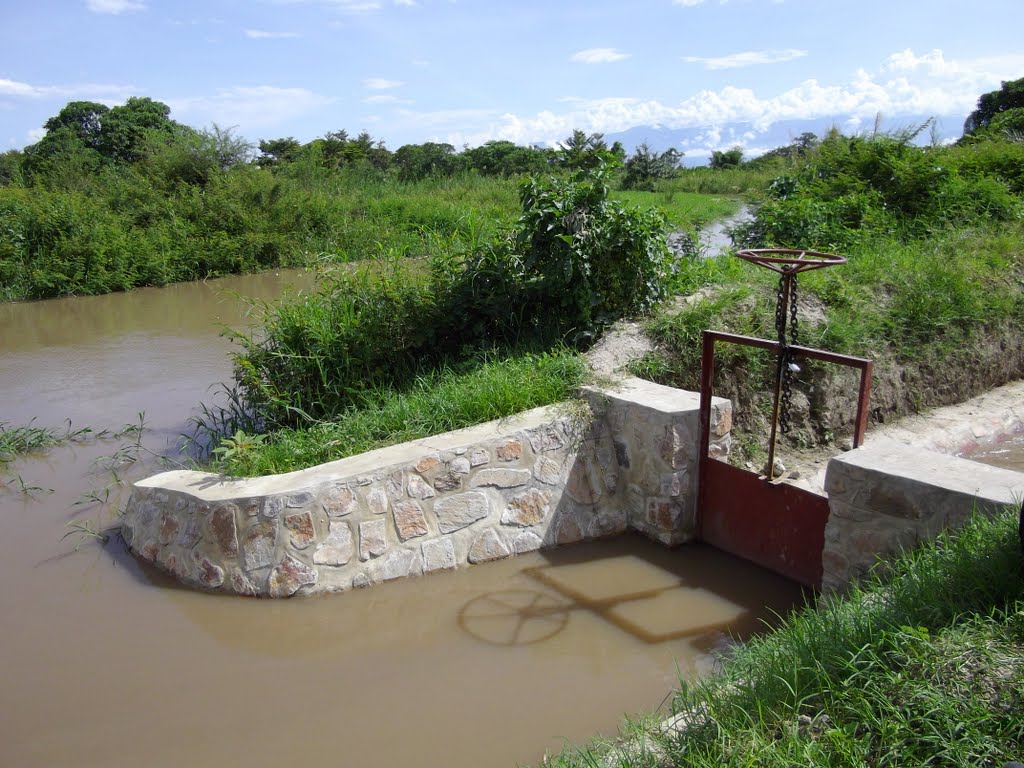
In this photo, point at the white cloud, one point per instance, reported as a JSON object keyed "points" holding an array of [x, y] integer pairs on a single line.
{"points": [[14, 88], [385, 98], [259, 34], [353, 6], [903, 84], [36, 134], [114, 7], [599, 56], [746, 58], [252, 108], [108, 94], [687, 3], [381, 84], [406, 3]]}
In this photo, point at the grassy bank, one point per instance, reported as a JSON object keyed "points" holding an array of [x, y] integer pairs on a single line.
{"points": [[439, 401], [932, 290], [123, 228], [924, 666], [684, 210]]}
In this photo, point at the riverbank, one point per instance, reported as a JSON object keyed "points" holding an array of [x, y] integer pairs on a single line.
{"points": [[924, 664], [110, 663]]}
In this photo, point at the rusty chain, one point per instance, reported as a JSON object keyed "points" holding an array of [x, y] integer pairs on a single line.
{"points": [[788, 366]]}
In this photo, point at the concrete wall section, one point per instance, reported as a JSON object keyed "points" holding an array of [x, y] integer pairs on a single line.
{"points": [[655, 431], [888, 496], [547, 477]]}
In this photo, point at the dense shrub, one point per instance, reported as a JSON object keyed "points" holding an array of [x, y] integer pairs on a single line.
{"points": [[573, 262], [855, 188]]}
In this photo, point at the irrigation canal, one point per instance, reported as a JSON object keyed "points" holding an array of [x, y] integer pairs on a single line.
{"points": [[108, 664]]}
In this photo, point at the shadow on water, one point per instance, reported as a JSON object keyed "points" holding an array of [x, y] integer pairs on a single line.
{"points": [[653, 595]]}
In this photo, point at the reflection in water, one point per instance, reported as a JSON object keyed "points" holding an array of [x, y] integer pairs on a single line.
{"points": [[651, 599], [110, 664], [514, 617]]}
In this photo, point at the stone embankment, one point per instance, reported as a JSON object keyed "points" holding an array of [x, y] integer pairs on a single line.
{"points": [[547, 477]]}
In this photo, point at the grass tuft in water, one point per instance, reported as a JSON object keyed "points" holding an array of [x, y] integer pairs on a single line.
{"points": [[16, 441]]}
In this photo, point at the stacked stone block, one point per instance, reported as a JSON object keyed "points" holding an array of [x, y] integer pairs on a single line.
{"points": [[654, 432], [544, 478]]}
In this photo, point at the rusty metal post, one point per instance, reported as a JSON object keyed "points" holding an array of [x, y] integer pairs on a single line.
{"points": [[861, 426]]}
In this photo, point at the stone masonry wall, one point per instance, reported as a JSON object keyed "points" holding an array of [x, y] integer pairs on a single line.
{"points": [[654, 431], [888, 496], [544, 478]]}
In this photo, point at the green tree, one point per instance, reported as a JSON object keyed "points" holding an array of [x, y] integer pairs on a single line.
{"points": [[10, 168], [82, 119], [127, 130], [1008, 124], [1009, 96], [730, 158], [587, 152], [504, 158], [194, 157], [418, 161], [276, 152], [644, 167]]}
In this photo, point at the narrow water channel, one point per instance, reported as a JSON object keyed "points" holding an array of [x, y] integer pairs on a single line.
{"points": [[110, 664], [1008, 453]]}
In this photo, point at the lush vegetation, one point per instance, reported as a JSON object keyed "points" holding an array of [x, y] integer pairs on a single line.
{"points": [[111, 199], [475, 391], [120, 225], [934, 238], [922, 665], [573, 262]]}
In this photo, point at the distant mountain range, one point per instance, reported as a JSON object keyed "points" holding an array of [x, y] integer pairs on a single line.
{"points": [[698, 143]]}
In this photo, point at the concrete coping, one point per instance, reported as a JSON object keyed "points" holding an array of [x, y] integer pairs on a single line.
{"points": [[208, 486], [657, 397], [916, 465]]}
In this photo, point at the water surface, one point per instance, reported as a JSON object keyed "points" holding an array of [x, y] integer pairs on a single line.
{"points": [[109, 664]]}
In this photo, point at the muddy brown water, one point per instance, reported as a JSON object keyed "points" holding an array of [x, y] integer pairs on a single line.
{"points": [[1008, 453], [109, 664]]}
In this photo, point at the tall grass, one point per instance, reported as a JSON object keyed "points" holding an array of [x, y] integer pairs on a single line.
{"points": [[688, 211], [487, 388], [921, 666], [718, 181], [124, 229]]}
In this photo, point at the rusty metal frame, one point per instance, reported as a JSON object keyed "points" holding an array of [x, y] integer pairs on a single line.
{"points": [[707, 378]]}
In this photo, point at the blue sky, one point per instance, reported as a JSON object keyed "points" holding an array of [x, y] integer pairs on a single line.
{"points": [[466, 71]]}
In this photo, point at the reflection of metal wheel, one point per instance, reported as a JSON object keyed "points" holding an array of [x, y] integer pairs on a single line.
{"points": [[514, 617]]}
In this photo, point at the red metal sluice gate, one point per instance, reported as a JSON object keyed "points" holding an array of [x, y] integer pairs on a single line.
{"points": [[778, 526]]}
